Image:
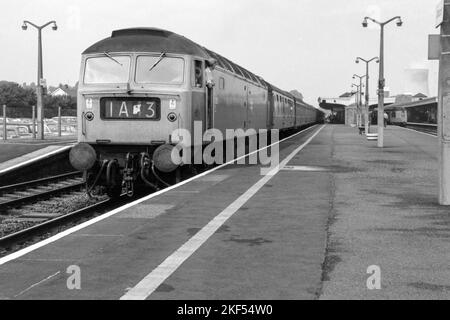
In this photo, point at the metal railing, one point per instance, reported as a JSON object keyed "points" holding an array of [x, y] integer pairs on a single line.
{"points": [[9, 126]]}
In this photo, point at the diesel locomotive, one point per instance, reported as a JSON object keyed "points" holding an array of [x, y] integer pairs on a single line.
{"points": [[141, 84]]}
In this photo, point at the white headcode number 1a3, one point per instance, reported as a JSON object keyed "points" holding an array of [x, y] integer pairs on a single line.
{"points": [[151, 108]]}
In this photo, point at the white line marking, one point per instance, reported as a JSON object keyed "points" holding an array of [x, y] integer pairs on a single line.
{"points": [[88, 223], [187, 191], [40, 144], [304, 168], [428, 134], [155, 278], [36, 284], [34, 159], [99, 235]]}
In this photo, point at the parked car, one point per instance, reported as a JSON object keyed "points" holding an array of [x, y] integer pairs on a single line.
{"points": [[66, 129], [11, 132], [66, 120]]}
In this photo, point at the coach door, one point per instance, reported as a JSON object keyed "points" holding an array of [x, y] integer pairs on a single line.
{"points": [[246, 108], [209, 107], [270, 104]]}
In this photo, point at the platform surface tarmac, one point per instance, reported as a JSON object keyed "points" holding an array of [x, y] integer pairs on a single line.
{"points": [[13, 152], [338, 206]]}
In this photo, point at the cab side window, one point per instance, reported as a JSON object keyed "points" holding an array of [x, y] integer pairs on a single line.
{"points": [[198, 74], [221, 83]]}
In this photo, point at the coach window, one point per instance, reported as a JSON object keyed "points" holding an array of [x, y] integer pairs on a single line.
{"points": [[198, 74], [221, 83]]}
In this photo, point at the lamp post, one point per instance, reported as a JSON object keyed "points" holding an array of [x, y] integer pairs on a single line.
{"points": [[40, 109], [359, 96], [367, 89], [381, 80]]}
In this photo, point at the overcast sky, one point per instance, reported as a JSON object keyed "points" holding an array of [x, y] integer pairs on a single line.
{"points": [[308, 45]]}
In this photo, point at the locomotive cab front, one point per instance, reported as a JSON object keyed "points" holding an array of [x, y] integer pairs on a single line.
{"points": [[136, 88]]}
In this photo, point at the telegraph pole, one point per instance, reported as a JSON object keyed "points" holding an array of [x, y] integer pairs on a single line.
{"points": [[444, 109]]}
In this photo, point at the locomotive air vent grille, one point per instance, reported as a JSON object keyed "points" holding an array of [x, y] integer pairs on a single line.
{"points": [[141, 31]]}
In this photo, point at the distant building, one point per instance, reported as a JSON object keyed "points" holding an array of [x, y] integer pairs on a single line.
{"points": [[403, 98], [419, 96], [63, 91], [346, 95], [58, 93]]}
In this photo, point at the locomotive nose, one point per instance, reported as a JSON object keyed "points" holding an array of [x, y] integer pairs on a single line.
{"points": [[82, 156]]}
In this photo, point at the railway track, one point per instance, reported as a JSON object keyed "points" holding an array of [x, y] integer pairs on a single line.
{"points": [[30, 208], [423, 127], [16, 194]]}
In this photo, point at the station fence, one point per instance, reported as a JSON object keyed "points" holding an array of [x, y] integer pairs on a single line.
{"points": [[64, 124]]}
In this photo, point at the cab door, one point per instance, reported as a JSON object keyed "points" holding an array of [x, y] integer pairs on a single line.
{"points": [[270, 109]]}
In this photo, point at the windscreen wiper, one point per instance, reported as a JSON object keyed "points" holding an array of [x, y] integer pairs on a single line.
{"points": [[156, 63], [109, 56]]}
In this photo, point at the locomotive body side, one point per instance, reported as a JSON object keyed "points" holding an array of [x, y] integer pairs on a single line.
{"points": [[238, 102]]}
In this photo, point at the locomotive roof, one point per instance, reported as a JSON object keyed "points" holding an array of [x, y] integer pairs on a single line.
{"points": [[159, 40], [146, 40]]}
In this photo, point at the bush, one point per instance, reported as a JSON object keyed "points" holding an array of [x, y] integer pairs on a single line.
{"points": [[19, 102]]}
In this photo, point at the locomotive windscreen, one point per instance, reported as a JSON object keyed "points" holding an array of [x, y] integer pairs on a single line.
{"points": [[107, 69]]}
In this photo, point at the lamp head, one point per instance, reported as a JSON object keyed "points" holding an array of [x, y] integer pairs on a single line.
{"points": [[365, 23], [399, 22], [54, 27], [357, 60], [24, 26]]}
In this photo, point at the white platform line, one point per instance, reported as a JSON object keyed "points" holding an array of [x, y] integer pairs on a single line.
{"points": [[305, 168], [34, 159], [36, 284], [88, 223], [155, 278]]}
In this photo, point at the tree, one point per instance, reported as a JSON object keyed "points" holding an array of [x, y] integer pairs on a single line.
{"points": [[20, 99], [13, 95], [17, 99]]}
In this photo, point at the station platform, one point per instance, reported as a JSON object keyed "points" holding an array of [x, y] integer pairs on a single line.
{"points": [[338, 205], [14, 152]]}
